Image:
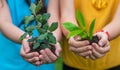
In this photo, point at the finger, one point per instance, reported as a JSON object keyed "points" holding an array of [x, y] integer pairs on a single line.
{"points": [[42, 59], [106, 48], [58, 49], [97, 54], [92, 57], [26, 46], [33, 60], [75, 43], [77, 38], [103, 41], [80, 49], [22, 52], [87, 57], [31, 55], [103, 38], [46, 58], [51, 56], [101, 50], [84, 54], [38, 63], [28, 55]]}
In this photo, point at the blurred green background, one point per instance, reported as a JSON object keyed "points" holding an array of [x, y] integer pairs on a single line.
{"points": [[58, 64]]}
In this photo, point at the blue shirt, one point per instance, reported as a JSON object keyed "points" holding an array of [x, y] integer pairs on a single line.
{"points": [[10, 58]]}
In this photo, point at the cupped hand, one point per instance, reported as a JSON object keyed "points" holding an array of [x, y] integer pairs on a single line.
{"points": [[47, 56], [31, 57], [100, 49], [80, 47]]}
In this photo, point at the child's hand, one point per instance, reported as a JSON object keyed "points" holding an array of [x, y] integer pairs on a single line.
{"points": [[32, 57], [37, 59], [100, 49], [47, 56], [81, 48]]}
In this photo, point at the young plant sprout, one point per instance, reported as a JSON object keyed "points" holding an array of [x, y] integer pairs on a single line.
{"points": [[81, 30], [45, 38]]}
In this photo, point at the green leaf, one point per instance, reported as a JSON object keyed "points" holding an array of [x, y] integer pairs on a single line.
{"points": [[70, 26], [80, 19], [43, 46], [28, 19], [73, 33], [51, 38], [30, 28], [32, 8], [38, 7], [45, 17], [32, 39], [30, 33], [91, 29], [41, 30], [36, 45], [53, 26], [46, 26], [38, 25], [84, 37], [38, 18], [46, 41], [23, 36], [43, 36]]}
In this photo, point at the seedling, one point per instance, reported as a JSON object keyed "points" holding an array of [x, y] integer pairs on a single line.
{"points": [[39, 23], [81, 30]]}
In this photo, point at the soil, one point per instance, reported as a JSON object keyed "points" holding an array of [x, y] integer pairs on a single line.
{"points": [[94, 40], [38, 49]]}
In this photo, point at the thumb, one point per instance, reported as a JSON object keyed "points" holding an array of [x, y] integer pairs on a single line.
{"points": [[26, 46], [103, 41], [58, 49], [77, 38]]}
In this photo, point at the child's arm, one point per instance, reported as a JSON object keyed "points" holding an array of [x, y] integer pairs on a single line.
{"points": [[47, 56], [6, 26], [68, 15], [113, 29], [13, 32], [53, 9]]}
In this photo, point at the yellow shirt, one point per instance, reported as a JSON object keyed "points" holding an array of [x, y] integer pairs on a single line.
{"points": [[103, 11]]}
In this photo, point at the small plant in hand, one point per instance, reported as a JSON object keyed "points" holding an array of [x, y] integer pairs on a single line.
{"points": [[45, 38], [81, 30]]}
